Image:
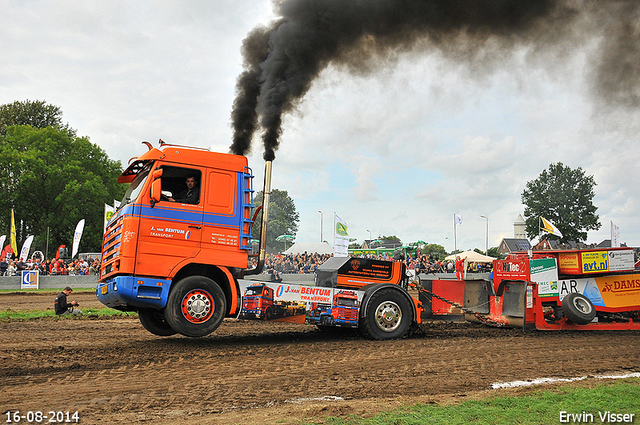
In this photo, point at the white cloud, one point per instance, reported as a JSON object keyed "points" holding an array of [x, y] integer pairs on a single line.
{"points": [[394, 152]]}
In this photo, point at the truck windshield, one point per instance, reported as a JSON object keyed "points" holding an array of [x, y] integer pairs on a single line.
{"points": [[136, 186], [254, 290], [347, 302]]}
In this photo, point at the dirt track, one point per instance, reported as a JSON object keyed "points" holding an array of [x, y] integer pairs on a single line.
{"points": [[112, 370]]}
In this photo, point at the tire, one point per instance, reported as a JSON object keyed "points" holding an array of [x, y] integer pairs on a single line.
{"points": [[154, 321], [196, 306], [578, 308], [389, 315]]}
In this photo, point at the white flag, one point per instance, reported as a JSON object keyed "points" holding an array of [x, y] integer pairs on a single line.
{"points": [[76, 237], [615, 236], [547, 226], [2, 239], [108, 212], [341, 244], [26, 246], [458, 219]]}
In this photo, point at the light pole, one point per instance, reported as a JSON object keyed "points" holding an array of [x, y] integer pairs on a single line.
{"points": [[321, 224], [486, 243], [369, 235]]}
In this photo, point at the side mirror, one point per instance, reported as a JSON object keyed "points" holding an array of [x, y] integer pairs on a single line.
{"points": [[156, 186]]}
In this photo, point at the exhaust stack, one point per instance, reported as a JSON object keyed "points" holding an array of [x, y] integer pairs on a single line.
{"points": [[262, 245]]}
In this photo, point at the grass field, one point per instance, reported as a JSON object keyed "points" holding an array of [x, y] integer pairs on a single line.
{"points": [[39, 314], [610, 401]]}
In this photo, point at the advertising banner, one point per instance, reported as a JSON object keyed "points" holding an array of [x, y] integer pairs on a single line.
{"points": [[545, 272], [595, 262], [341, 244], [615, 236], [26, 246], [77, 235], [607, 291], [30, 279], [14, 241], [299, 303], [621, 260], [108, 213]]}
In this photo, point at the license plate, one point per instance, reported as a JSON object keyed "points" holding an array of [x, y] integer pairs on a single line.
{"points": [[104, 290]]}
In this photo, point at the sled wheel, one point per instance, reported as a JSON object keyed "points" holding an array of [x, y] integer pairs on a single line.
{"points": [[578, 308], [388, 315], [196, 306], [154, 321]]}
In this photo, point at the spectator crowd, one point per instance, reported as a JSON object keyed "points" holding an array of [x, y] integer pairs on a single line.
{"points": [[303, 263], [275, 264], [53, 267]]}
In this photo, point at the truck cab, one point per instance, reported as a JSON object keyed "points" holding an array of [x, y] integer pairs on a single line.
{"points": [[158, 248]]}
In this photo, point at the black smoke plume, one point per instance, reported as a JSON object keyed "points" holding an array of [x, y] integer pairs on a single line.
{"points": [[282, 60]]}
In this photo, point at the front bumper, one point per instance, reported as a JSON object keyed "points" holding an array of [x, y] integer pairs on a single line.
{"points": [[125, 292]]}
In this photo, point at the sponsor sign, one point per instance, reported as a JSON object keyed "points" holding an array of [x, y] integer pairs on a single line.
{"points": [[512, 269], [620, 290], [607, 291], [595, 262], [569, 263], [30, 279], [621, 260], [545, 273], [296, 303]]}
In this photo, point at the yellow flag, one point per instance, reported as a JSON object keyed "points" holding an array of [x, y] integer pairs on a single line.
{"points": [[547, 226], [14, 243]]}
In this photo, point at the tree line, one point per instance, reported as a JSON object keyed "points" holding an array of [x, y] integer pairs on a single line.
{"points": [[52, 178]]}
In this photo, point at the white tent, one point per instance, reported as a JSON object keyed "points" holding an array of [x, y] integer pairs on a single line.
{"points": [[310, 248], [471, 256]]}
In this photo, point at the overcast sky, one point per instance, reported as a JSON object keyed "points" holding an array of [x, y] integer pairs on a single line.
{"points": [[395, 152]]}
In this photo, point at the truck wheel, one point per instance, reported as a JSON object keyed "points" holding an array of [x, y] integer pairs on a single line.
{"points": [[153, 320], [268, 315], [388, 315], [578, 308], [196, 306]]}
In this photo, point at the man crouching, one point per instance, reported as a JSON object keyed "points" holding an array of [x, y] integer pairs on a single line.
{"points": [[62, 306]]}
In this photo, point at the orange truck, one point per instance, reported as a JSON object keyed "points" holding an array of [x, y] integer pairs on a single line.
{"points": [[259, 302], [178, 249], [343, 312]]}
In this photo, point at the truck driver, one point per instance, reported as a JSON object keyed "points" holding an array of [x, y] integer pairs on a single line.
{"points": [[191, 195]]}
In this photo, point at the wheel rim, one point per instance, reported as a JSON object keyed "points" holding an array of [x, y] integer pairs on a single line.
{"points": [[582, 305], [197, 306], [388, 316]]}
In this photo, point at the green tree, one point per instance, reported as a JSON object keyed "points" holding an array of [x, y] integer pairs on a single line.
{"points": [[493, 252], [391, 239], [283, 218], [34, 113], [565, 197], [53, 179], [435, 251]]}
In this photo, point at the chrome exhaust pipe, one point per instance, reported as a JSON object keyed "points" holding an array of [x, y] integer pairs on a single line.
{"points": [[262, 245]]}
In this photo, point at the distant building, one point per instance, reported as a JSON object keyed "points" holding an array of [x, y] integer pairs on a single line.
{"points": [[519, 242], [511, 245], [555, 244], [519, 228]]}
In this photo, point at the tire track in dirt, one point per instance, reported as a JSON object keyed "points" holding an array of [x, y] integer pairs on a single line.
{"points": [[112, 370]]}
